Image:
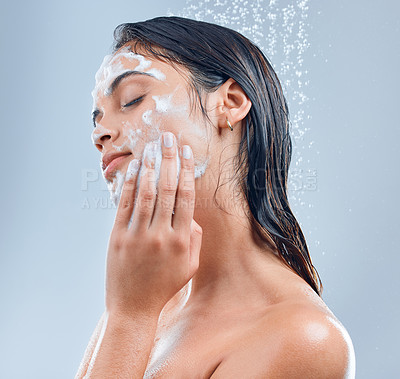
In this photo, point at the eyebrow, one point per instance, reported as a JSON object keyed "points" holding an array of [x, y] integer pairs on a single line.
{"points": [[110, 90], [124, 75]]}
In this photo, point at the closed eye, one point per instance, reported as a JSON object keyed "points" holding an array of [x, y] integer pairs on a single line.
{"points": [[133, 102]]}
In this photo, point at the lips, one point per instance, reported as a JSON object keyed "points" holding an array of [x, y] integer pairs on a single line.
{"points": [[111, 161]]}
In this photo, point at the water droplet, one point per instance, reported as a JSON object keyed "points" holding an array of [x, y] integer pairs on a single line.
{"points": [[281, 32]]}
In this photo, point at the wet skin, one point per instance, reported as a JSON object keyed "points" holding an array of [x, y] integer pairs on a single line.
{"points": [[248, 314]]}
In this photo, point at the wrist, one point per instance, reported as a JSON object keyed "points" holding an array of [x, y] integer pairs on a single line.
{"points": [[126, 327], [121, 317]]}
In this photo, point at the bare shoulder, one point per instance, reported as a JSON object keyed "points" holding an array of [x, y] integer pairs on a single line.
{"points": [[295, 339]]}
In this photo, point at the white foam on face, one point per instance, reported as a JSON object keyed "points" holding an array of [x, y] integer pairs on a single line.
{"points": [[133, 138], [120, 147], [112, 67], [163, 103], [157, 74], [200, 167], [146, 117], [165, 106], [115, 187], [116, 184], [131, 135], [144, 63]]}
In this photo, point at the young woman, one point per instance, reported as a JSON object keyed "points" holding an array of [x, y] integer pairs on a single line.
{"points": [[208, 272]]}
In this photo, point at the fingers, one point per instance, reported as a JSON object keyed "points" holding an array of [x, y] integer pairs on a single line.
{"points": [[127, 201], [185, 197], [167, 184], [146, 197], [155, 207]]}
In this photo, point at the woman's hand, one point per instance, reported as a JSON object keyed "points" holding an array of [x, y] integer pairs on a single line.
{"points": [[149, 261]]}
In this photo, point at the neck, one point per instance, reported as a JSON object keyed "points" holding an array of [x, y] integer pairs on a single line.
{"points": [[233, 268]]}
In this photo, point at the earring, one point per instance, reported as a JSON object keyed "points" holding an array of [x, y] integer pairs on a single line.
{"points": [[229, 124]]}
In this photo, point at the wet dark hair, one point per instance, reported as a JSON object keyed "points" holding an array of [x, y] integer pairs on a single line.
{"points": [[213, 54]]}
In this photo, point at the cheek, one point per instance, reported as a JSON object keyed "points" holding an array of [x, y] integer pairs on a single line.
{"points": [[147, 117], [163, 114], [150, 122], [172, 112]]}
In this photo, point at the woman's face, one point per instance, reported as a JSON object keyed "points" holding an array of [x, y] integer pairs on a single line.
{"points": [[135, 99]]}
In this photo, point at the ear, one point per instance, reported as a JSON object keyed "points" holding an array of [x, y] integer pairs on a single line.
{"points": [[233, 104]]}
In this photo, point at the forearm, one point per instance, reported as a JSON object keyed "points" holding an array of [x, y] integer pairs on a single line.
{"points": [[87, 356], [124, 347]]}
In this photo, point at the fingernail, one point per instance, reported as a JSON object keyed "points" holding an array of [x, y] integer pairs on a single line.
{"points": [[187, 152], [168, 139], [132, 169]]}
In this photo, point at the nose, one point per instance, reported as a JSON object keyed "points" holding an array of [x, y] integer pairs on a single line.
{"points": [[101, 136]]}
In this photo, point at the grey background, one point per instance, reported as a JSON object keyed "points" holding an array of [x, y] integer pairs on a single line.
{"points": [[53, 248]]}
